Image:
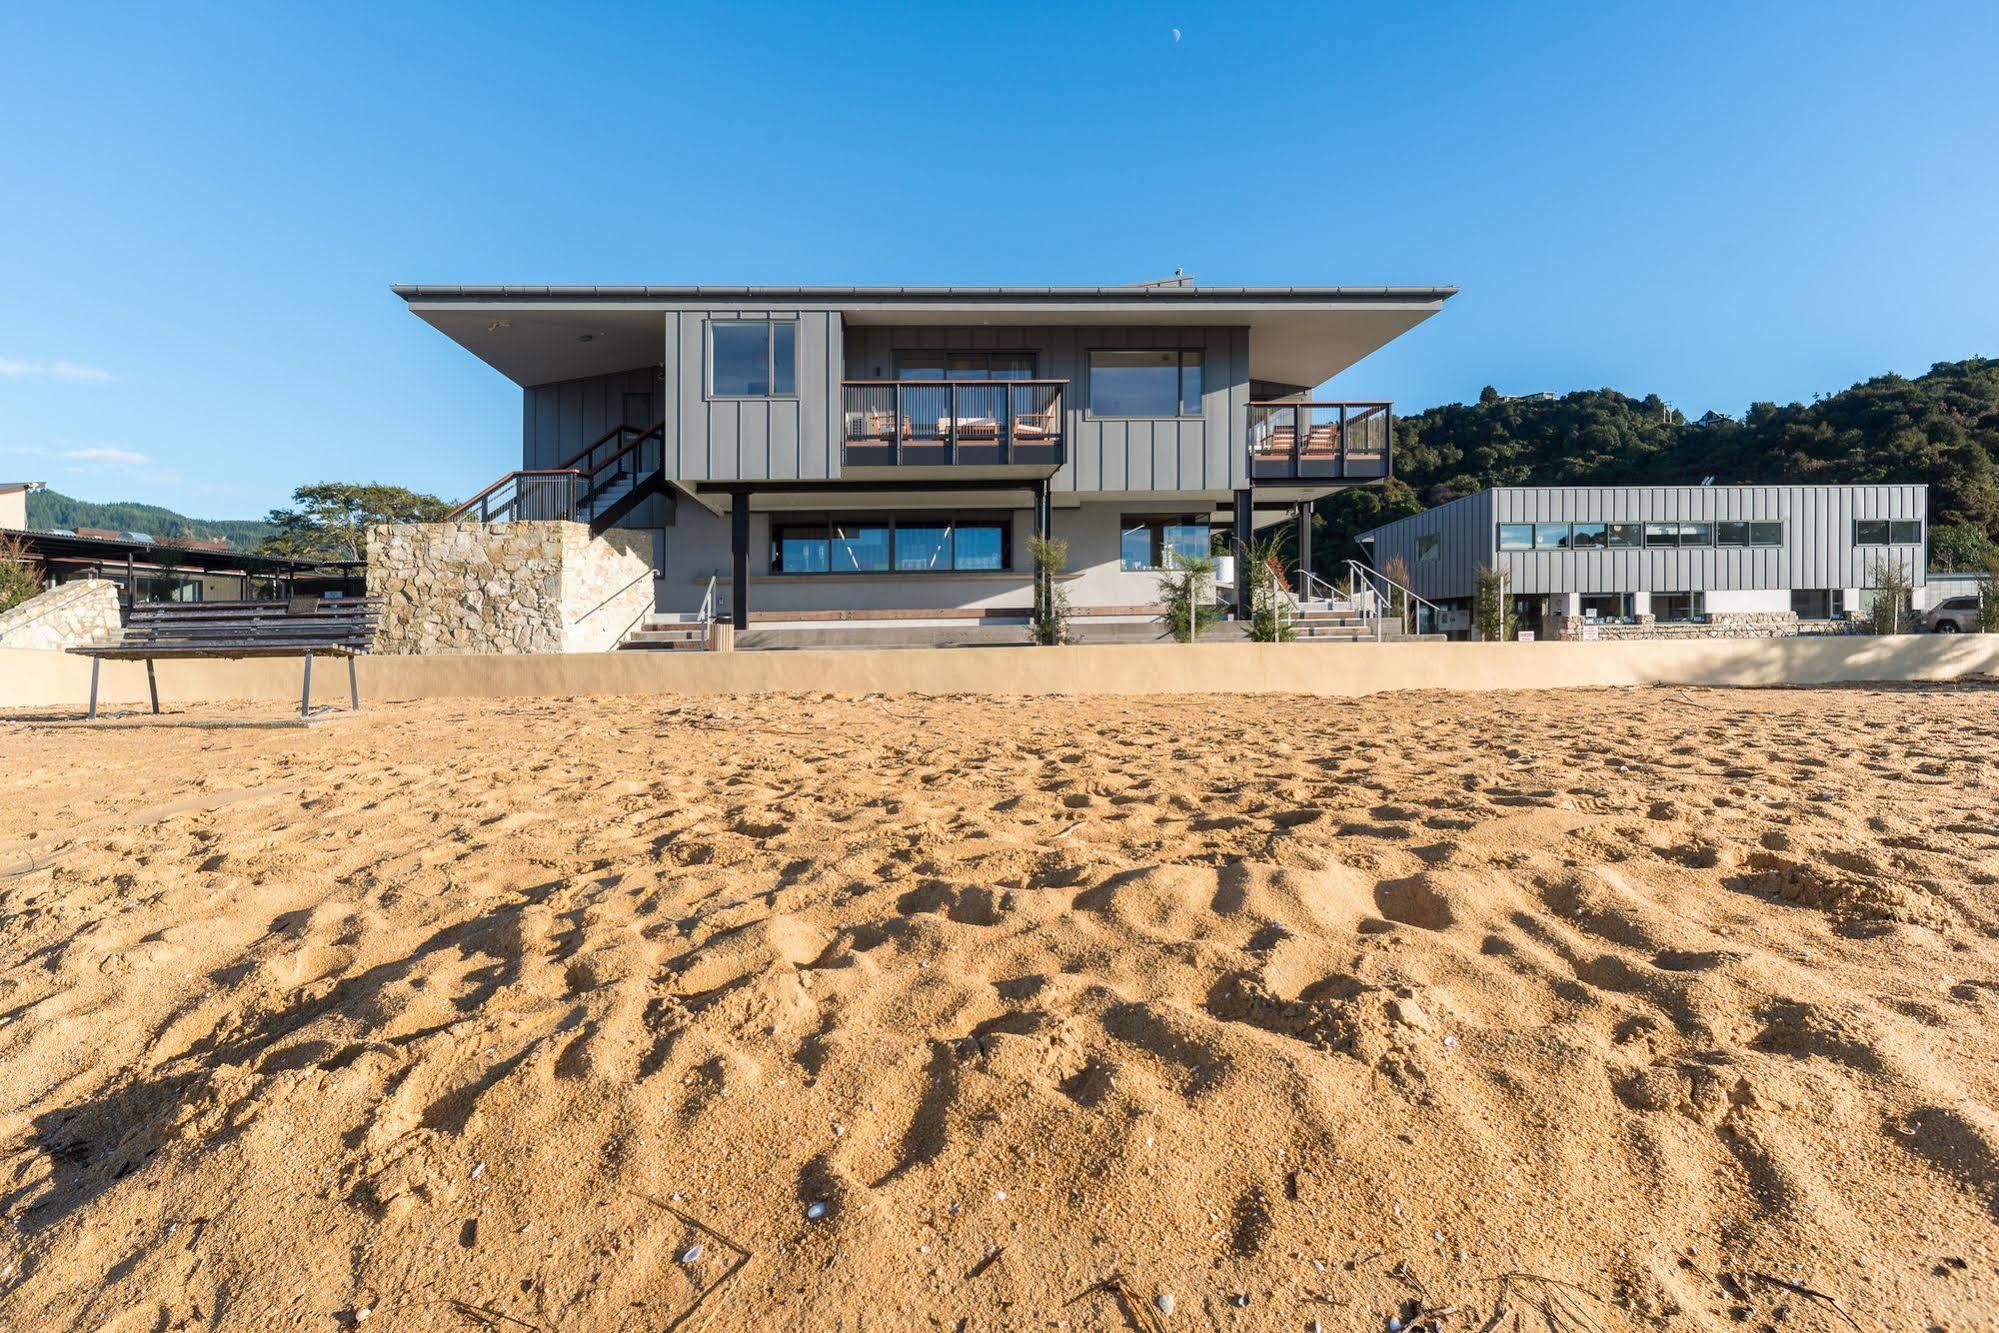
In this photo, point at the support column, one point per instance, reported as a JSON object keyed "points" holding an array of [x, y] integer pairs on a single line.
{"points": [[1044, 528], [1304, 544], [739, 559], [1245, 536]]}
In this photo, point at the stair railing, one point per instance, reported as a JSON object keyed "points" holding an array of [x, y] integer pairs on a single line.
{"points": [[1374, 592], [561, 492]]}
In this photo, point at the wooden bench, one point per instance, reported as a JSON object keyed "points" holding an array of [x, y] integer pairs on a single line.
{"points": [[305, 626]]}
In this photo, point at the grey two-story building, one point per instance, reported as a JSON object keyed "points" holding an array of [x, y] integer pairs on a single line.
{"points": [[888, 451], [1680, 561]]}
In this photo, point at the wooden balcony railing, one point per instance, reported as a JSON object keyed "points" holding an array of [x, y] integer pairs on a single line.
{"points": [[1321, 441], [954, 423]]}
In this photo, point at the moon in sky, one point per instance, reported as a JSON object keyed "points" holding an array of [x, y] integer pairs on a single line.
{"points": [[1176, 34]]}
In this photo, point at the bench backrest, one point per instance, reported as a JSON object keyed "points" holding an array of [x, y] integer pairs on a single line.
{"points": [[329, 622]]}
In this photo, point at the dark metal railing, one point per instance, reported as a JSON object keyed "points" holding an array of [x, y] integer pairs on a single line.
{"points": [[1321, 441], [894, 423], [607, 466]]}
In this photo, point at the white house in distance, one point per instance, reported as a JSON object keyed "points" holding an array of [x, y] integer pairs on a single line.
{"points": [[14, 504], [1663, 561]]}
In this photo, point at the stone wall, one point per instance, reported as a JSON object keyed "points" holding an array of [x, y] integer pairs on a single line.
{"points": [[1720, 625], [70, 615], [526, 587]]}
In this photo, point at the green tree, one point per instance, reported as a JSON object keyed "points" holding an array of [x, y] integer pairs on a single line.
{"points": [[329, 520], [1955, 546], [1988, 596], [1888, 606]]}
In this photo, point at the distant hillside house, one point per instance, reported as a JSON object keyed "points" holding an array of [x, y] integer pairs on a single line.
{"points": [[1604, 562], [1714, 418]]}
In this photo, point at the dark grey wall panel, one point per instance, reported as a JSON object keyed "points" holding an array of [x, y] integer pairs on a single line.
{"points": [[751, 439], [1204, 453], [558, 419]]}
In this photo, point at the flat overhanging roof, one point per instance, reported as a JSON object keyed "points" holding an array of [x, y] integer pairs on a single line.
{"points": [[539, 334]]}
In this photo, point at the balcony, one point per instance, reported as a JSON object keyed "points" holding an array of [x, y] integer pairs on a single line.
{"points": [[953, 428], [1308, 442]]}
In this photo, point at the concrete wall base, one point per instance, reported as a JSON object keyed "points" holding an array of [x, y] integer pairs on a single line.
{"points": [[32, 679]]}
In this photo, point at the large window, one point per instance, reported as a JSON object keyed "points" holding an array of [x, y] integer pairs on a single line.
{"points": [[1887, 532], [894, 543], [1586, 536], [1516, 536], [1679, 534], [1551, 536], [1814, 603], [1145, 384], [964, 365], [1606, 606], [1749, 534], [1622, 536], [1151, 541], [1669, 608], [753, 359]]}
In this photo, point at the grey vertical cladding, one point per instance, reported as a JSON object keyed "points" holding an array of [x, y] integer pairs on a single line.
{"points": [[1817, 551], [752, 439], [1115, 454], [559, 419], [1464, 544]]}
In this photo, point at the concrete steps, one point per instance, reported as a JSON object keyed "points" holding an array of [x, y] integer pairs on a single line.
{"points": [[667, 633]]}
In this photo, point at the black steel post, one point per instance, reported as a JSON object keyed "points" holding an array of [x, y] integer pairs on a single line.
{"points": [[1044, 528], [1304, 545], [739, 559], [1245, 537]]}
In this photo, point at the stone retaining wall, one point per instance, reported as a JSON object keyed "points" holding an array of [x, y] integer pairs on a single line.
{"points": [[526, 587], [1720, 625], [70, 615]]}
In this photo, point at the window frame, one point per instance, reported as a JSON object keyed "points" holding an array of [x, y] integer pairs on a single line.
{"points": [[822, 527], [1434, 551], [1180, 412], [771, 327], [1889, 526], [1749, 527], [1831, 597], [1499, 539], [1696, 607], [1626, 616], [1680, 541], [1561, 544], [1156, 525]]}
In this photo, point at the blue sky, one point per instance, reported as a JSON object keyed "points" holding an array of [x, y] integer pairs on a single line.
{"points": [[202, 207]]}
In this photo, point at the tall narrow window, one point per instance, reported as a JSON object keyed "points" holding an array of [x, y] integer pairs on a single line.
{"points": [[753, 359]]}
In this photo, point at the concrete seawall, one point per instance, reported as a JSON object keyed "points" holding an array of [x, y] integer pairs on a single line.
{"points": [[35, 679]]}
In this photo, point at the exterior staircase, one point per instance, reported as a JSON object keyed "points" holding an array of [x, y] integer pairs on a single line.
{"points": [[598, 486], [668, 632]]}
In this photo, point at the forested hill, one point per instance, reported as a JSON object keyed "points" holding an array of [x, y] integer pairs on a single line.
{"points": [[53, 509], [1941, 428]]}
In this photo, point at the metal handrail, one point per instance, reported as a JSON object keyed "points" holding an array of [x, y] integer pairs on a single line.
{"points": [[707, 611], [1375, 580], [1358, 443], [488, 506]]}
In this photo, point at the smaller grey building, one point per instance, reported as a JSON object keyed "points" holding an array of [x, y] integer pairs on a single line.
{"points": [[1663, 561]]}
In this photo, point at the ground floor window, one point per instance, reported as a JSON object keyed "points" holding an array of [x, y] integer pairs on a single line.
{"points": [[1146, 540], [1610, 606], [1669, 608], [917, 543], [1814, 603]]}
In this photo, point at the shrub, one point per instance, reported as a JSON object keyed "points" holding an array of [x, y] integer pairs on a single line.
{"points": [[1271, 619], [1888, 611], [1491, 609], [1050, 624], [18, 578], [1187, 587]]}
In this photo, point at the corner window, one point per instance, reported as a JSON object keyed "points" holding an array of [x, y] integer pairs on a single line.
{"points": [[1516, 536], [1427, 548], [1145, 384], [1887, 532], [753, 359], [1749, 534], [1148, 542]]}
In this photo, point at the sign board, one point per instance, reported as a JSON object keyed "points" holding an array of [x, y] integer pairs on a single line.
{"points": [[1591, 634], [1526, 636]]}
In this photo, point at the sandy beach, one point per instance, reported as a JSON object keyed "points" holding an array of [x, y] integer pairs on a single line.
{"points": [[1662, 1008]]}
